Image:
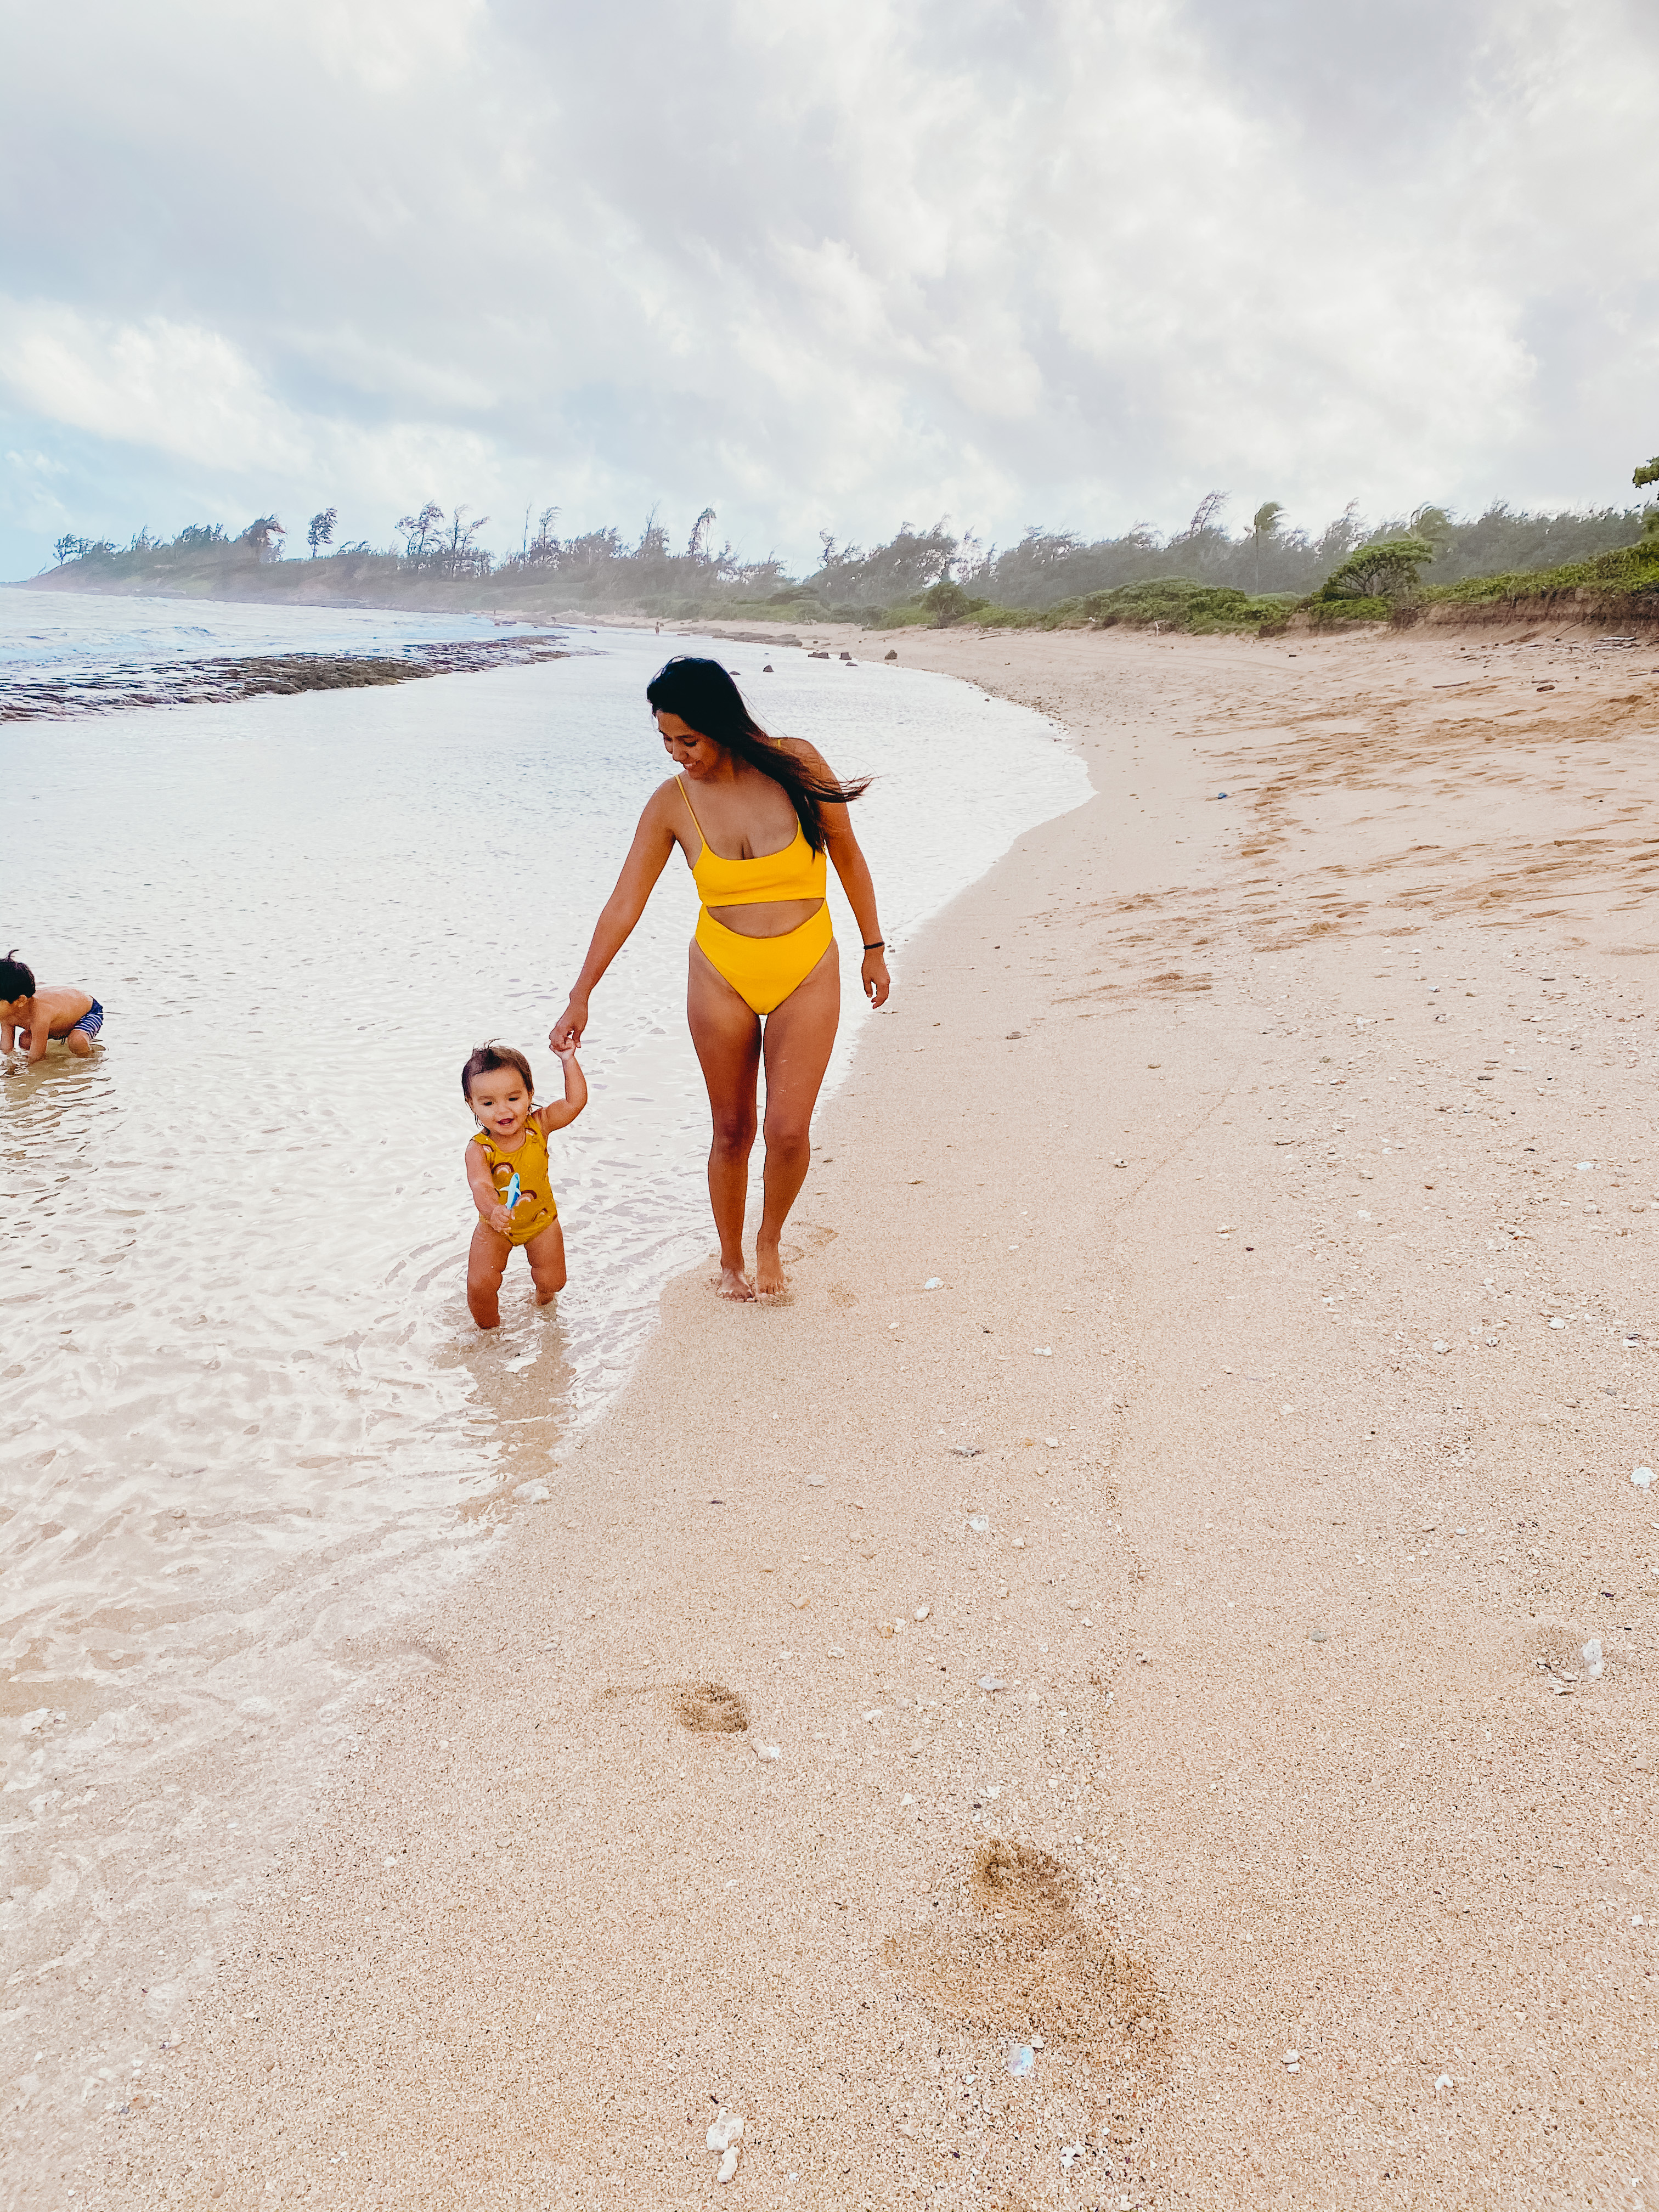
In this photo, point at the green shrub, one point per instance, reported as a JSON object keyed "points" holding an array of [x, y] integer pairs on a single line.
{"points": [[1324, 611], [1379, 573], [1631, 572]]}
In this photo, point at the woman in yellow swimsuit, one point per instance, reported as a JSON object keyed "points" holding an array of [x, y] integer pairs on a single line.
{"points": [[757, 818]]}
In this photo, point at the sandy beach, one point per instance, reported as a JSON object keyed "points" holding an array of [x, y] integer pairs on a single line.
{"points": [[1185, 1705]]}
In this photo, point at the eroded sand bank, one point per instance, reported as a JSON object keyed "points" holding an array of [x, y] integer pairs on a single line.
{"points": [[1259, 1142]]}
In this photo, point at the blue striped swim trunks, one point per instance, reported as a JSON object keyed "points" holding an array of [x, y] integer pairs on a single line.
{"points": [[90, 1023]]}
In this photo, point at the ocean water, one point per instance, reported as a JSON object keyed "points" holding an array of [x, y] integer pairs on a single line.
{"points": [[74, 633], [247, 1420]]}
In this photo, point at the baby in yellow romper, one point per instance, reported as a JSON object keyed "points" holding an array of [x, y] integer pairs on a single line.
{"points": [[507, 1167]]}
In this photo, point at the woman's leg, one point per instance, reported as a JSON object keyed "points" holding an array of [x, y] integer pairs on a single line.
{"points": [[486, 1263], [800, 1034], [727, 1033]]}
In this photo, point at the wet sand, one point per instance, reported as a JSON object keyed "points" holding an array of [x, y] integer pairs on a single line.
{"points": [[1244, 1135]]}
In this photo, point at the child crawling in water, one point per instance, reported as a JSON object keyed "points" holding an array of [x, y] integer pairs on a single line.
{"points": [[507, 1167], [31, 1014]]}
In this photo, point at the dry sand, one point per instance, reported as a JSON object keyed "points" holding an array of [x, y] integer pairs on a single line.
{"points": [[1260, 1142]]}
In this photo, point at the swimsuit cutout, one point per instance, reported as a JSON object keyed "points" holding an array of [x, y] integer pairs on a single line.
{"points": [[761, 970], [535, 1210]]}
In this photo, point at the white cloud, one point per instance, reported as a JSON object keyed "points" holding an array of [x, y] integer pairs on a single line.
{"points": [[174, 388], [828, 264]]}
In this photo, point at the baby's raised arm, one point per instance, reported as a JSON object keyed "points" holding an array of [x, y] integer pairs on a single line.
{"points": [[575, 1094]]}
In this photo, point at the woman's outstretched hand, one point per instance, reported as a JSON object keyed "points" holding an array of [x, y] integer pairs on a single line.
{"points": [[566, 1033], [877, 982]]}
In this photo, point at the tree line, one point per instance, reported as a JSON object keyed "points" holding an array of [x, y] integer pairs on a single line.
{"points": [[602, 569]]}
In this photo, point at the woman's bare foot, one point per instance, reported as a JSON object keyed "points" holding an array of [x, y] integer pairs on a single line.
{"points": [[769, 1277], [734, 1284]]}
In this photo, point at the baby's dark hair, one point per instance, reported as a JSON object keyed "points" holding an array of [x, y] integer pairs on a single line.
{"points": [[16, 978], [487, 1060]]}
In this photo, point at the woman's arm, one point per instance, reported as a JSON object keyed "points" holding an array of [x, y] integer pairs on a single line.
{"points": [[648, 856], [843, 848]]}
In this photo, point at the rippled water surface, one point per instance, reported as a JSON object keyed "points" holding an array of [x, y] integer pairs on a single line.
{"points": [[246, 1417], [78, 631]]}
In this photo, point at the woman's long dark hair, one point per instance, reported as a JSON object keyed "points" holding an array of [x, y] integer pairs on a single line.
{"points": [[701, 693]]}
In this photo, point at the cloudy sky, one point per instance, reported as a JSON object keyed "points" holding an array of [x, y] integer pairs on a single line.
{"points": [[819, 266]]}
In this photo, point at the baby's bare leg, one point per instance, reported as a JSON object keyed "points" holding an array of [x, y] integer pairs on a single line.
{"points": [[79, 1044], [545, 1253], [486, 1263]]}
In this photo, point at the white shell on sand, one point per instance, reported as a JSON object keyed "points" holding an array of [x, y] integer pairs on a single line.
{"points": [[727, 2127], [728, 2166]]}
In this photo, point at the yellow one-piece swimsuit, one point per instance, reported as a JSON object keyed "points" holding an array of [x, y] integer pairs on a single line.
{"points": [[535, 1209], [761, 970]]}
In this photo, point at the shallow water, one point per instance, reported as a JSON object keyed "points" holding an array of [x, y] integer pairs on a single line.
{"points": [[63, 656], [247, 1419], [72, 633]]}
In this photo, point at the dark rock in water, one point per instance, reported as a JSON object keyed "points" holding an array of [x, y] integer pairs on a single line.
{"points": [[170, 683]]}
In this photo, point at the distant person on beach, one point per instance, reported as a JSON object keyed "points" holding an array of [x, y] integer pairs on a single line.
{"points": [[756, 818], [31, 1014], [507, 1167]]}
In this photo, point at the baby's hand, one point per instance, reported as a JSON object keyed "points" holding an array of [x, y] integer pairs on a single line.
{"points": [[501, 1221], [565, 1053]]}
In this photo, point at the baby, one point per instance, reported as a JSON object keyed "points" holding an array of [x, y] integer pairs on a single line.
{"points": [[30, 1016], [507, 1167]]}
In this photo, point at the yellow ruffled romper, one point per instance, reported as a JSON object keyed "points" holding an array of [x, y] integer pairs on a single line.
{"points": [[535, 1210]]}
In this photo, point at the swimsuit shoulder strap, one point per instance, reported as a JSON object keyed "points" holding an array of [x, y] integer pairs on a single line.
{"points": [[690, 808]]}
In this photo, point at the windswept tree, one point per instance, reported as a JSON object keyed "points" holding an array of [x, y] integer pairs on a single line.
{"points": [[1646, 474], [68, 547], [460, 557], [696, 547], [419, 533], [265, 534], [887, 574], [1387, 570], [1206, 518], [319, 531], [543, 548], [1264, 526], [1338, 539]]}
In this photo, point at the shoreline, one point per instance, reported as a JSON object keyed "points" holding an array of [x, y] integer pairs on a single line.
{"points": [[1311, 1744]]}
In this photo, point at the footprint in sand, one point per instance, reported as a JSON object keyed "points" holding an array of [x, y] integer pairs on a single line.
{"points": [[1016, 1953]]}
